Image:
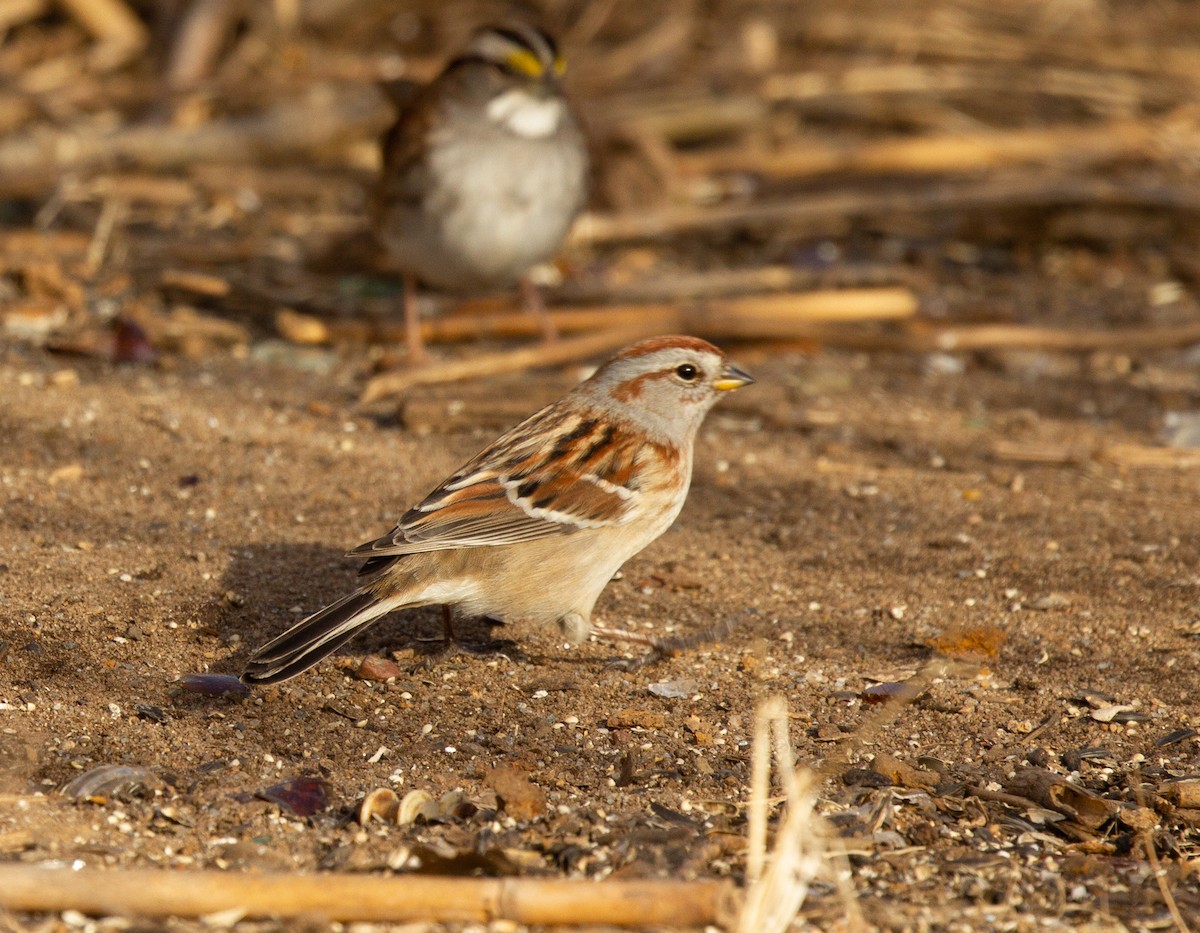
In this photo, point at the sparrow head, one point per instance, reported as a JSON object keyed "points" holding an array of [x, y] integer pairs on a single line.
{"points": [[665, 384], [512, 72], [519, 51]]}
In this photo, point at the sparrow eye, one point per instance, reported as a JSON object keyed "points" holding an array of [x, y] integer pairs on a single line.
{"points": [[687, 372]]}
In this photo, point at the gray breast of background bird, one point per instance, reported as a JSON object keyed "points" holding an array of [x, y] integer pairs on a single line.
{"points": [[497, 203]]}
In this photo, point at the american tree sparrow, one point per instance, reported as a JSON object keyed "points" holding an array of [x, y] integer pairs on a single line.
{"points": [[536, 525]]}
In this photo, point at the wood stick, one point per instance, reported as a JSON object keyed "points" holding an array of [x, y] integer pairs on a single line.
{"points": [[476, 411], [34, 160], [1046, 454], [953, 152], [491, 364], [1124, 455], [109, 20], [668, 37], [683, 284], [679, 116], [688, 114], [963, 338], [205, 27], [791, 317], [977, 38], [1019, 336], [29, 243], [1113, 91], [453, 328], [1144, 455], [22, 800], [760, 317], [120, 33], [351, 897], [15, 12], [765, 316], [814, 213], [143, 189]]}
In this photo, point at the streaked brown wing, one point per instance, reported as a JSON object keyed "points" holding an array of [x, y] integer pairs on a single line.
{"points": [[404, 176], [522, 488]]}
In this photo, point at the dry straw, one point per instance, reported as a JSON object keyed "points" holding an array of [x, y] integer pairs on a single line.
{"points": [[778, 882]]}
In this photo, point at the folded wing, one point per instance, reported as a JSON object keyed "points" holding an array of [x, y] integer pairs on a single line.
{"points": [[556, 473]]}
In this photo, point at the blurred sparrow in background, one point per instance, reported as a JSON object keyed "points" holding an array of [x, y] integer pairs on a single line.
{"points": [[483, 172], [535, 526]]}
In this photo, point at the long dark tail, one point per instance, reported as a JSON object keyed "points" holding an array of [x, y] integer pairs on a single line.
{"points": [[316, 637]]}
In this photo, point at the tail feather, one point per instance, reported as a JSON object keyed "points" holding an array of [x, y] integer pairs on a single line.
{"points": [[314, 638]]}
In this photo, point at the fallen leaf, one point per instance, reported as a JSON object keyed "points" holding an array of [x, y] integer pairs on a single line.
{"points": [[970, 642], [518, 796], [903, 774], [303, 796]]}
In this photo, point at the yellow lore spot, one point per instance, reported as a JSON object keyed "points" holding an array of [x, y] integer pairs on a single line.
{"points": [[524, 62]]}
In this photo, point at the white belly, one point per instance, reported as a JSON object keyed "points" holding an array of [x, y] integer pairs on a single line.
{"points": [[511, 208]]}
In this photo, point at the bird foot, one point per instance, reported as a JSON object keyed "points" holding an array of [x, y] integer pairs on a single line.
{"points": [[660, 648], [430, 652], [450, 645]]}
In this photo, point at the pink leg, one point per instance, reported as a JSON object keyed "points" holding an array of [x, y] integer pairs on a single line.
{"points": [[532, 299], [412, 323]]}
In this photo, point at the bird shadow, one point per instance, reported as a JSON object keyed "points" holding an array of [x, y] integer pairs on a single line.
{"points": [[268, 587]]}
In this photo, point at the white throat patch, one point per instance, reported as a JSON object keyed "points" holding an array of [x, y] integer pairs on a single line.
{"points": [[525, 115]]}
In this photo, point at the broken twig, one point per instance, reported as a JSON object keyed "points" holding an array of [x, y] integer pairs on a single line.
{"points": [[349, 897]]}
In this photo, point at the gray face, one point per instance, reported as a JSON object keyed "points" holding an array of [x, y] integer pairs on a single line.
{"points": [[666, 386]]}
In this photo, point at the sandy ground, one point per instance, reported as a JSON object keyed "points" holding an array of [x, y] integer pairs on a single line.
{"points": [[852, 516], [1012, 535]]}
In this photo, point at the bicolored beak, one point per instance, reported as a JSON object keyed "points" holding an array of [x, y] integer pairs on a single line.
{"points": [[732, 378]]}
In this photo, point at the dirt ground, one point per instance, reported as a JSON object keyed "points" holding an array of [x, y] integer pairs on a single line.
{"points": [[158, 523], [1014, 532]]}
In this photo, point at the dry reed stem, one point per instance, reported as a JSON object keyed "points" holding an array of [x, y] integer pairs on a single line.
{"points": [[709, 284], [22, 800], [32, 160], [1143, 455], [751, 317], [954, 152], [1126, 455], [677, 117], [1014, 336], [757, 317], [16, 12], [351, 897], [777, 885], [205, 27], [1112, 92], [493, 364], [817, 212], [114, 24], [960, 338], [980, 38]]}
